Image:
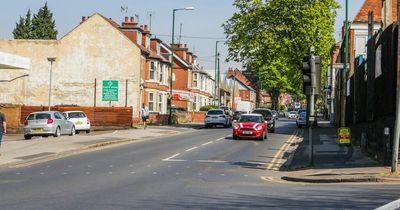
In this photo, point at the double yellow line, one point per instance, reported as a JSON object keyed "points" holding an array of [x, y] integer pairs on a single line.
{"points": [[274, 164]]}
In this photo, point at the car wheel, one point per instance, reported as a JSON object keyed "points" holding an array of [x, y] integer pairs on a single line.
{"points": [[27, 137], [72, 131], [57, 133], [88, 131], [235, 137]]}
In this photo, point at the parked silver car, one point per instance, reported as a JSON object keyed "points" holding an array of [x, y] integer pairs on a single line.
{"points": [[49, 123], [301, 119]]}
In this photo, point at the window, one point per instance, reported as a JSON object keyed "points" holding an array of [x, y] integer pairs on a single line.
{"points": [[160, 102], [195, 80], [151, 102], [201, 82], [195, 103], [152, 70], [161, 76]]}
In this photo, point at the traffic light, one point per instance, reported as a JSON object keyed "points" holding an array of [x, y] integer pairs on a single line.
{"points": [[318, 69], [306, 69], [311, 74]]}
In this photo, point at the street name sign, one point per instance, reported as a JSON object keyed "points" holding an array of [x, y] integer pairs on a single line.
{"points": [[110, 90]]}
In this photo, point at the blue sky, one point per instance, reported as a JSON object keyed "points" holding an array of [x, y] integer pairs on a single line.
{"points": [[205, 21]]}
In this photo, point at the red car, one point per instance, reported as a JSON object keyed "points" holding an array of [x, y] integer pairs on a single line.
{"points": [[250, 126]]}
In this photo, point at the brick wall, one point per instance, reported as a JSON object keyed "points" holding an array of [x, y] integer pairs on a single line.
{"points": [[12, 114]]}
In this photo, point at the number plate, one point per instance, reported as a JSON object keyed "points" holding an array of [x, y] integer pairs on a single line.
{"points": [[247, 132], [37, 129], [79, 123]]}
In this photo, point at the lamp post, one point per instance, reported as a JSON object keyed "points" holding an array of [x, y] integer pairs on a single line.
{"points": [[172, 61], [51, 60], [216, 76]]}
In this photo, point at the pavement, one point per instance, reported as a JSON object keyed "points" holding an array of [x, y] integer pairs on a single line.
{"points": [[16, 151], [332, 163]]}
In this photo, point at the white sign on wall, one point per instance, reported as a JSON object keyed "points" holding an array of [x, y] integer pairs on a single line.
{"points": [[378, 61]]}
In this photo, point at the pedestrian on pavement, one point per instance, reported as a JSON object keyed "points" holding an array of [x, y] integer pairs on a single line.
{"points": [[3, 126], [144, 113]]}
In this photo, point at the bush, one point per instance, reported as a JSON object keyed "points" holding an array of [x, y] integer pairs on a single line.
{"points": [[208, 107]]}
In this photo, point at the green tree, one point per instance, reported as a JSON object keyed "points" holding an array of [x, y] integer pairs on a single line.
{"points": [[43, 25], [271, 37], [22, 29]]}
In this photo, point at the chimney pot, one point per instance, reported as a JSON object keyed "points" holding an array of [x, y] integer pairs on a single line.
{"points": [[145, 27], [141, 26], [126, 20], [84, 18], [132, 19]]}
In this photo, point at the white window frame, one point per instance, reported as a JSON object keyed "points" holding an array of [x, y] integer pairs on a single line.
{"points": [[160, 102], [195, 80], [152, 70], [161, 74], [151, 108]]}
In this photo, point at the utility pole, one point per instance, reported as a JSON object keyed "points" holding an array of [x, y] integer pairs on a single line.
{"points": [[395, 150], [219, 82], [51, 60], [312, 107], [344, 75]]}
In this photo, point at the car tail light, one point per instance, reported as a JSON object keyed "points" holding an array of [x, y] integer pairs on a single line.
{"points": [[50, 121], [88, 121], [207, 116]]}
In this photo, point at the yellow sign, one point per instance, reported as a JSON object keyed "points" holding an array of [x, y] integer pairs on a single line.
{"points": [[344, 135]]}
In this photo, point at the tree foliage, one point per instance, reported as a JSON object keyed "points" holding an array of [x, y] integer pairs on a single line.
{"points": [[41, 26], [271, 36]]}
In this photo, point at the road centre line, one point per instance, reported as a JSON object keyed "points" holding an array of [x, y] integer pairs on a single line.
{"points": [[193, 148], [166, 159], [282, 149], [220, 139], [207, 143]]}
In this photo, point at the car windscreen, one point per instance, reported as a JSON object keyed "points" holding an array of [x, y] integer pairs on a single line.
{"points": [[215, 112], [76, 115], [39, 116], [255, 119]]}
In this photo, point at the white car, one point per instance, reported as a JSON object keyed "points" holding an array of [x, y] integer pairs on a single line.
{"points": [[216, 117], [292, 114], [80, 120]]}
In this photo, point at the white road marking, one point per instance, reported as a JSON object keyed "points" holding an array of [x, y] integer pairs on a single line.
{"points": [[193, 148], [88, 173], [154, 172], [65, 173], [167, 159], [48, 166], [41, 173], [148, 166], [110, 172], [18, 173], [246, 175], [69, 166], [89, 166], [221, 139], [211, 161], [207, 143], [222, 174], [130, 165], [132, 172], [177, 173], [392, 205], [200, 174], [169, 166], [110, 166]]}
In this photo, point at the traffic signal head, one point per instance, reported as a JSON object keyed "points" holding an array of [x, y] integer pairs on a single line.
{"points": [[306, 69]]}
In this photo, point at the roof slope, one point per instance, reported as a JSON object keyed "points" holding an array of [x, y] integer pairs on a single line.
{"points": [[376, 7]]}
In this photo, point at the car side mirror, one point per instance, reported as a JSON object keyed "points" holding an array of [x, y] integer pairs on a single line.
{"points": [[265, 122], [235, 121]]}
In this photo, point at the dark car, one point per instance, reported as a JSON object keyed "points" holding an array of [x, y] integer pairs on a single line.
{"points": [[237, 114], [275, 114], [267, 114]]}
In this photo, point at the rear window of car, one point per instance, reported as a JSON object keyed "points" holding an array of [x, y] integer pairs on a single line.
{"points": [[255, 119], [76, 115], [264, 113], [215, 112], [39, 116]]}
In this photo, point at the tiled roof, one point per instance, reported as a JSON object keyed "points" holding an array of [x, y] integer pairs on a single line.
{"points": [[376, 7]]}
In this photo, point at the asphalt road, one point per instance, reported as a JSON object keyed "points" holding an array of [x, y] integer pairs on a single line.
{"points": [[204, 169]]}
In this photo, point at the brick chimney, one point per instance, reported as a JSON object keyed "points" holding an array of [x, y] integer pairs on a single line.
{"points": [[129, 22], [84, 18]]}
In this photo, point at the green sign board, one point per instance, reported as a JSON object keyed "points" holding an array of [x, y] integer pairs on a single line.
{"points": [[110, 90]]}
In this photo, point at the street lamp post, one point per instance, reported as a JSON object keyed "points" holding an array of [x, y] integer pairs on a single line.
{"points": [[51, 60], [172, 61], [216, 76]]}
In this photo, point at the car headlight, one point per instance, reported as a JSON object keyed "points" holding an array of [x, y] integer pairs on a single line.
{"points": [[259, 128]]}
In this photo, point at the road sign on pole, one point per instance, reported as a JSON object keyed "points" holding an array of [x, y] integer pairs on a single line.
{"points": [[110, 90]]}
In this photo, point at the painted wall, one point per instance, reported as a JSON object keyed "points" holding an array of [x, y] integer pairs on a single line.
{"points": [[93, 50]]}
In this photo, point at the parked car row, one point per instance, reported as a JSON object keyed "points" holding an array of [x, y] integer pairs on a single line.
{"points": [[54, 123]]}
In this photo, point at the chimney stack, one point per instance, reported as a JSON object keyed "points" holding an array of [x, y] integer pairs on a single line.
{"points": [[126, 19], [84, 18], [132, 20]]}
